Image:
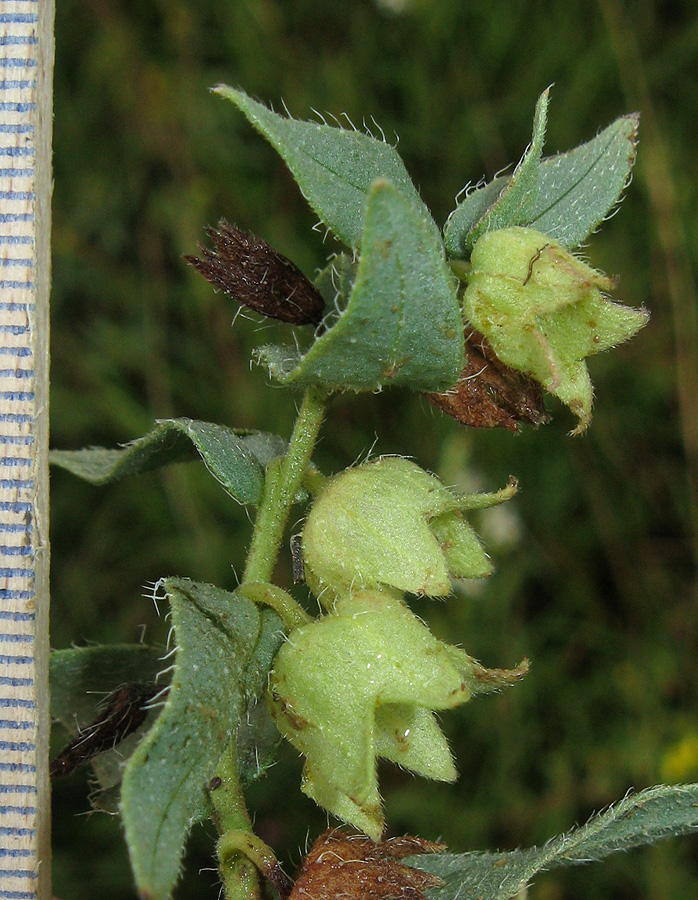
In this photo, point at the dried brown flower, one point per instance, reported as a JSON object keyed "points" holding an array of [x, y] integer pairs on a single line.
{"points": [[489, 394], [253, 273], [124, 712], [353, 867]]}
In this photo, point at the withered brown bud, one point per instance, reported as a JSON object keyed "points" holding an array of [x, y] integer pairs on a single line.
{"points": [[123, 713], [489, 394], [352, 866], [253, 273]]}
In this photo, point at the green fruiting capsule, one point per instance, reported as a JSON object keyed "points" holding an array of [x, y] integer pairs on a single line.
{"points": [[389, 523], [362, 682], [544, 311]]}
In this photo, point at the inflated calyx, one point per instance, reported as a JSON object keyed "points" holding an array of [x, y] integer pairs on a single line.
{"points": [[364, 680], [544, 311], [388, 523]]}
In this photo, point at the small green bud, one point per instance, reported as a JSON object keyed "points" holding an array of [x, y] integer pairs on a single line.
{"points": [[362, 682], [544, 311], [388, 523]]}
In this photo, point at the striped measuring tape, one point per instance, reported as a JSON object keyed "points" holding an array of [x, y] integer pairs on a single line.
{"points": [[26, 60]]}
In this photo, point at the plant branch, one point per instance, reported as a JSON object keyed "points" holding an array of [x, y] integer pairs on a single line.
{"points": [[283, 479], [238, 872], [241, 855]]}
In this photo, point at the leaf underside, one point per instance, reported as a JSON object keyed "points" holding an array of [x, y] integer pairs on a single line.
{"points": [[334, 167], [80, 678], [237, 459], [659, 812], [225, 647], [574, 193], [402, 323]]}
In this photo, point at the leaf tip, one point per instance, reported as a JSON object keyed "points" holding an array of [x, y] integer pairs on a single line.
{"points": [[224, 90]]}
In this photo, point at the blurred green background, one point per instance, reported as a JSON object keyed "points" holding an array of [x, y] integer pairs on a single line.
{"points": [[596, 577]]}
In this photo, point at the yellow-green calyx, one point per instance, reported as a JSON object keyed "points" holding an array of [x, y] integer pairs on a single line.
{"points": [[544, 311], [388, 523], [362, 682]]}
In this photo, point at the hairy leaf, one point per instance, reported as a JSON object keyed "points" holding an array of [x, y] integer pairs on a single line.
{"points": [[402, 323], [334, 167], [225, 647], [236, 459], [578, 189], [659, 812], [88, 682], [515, 204], [575, 191], [504, 201], [471, 210]]}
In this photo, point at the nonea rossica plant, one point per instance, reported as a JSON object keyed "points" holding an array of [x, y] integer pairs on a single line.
{"points": [[484, 318]]}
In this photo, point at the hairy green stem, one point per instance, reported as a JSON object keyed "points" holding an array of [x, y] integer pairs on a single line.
{"points": [[282, 481], [238, 872], [241, 855]]}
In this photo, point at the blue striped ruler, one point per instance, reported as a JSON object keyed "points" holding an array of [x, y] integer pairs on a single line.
{"points": [[26, 57]]}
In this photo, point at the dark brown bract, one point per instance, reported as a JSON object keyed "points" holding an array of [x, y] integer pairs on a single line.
{"points": [[253, 273], [489, 394], [124, 712]]}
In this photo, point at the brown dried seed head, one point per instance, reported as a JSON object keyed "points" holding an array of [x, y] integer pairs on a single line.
{"points": [[254, 274], [489, 394], [124, 712], [352, 866]]}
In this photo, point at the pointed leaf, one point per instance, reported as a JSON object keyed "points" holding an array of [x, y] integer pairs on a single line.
{"points": [[471, 210], [225, 647], [334, 167], [402, 324], [516, 202], [577, 190], [659, 812], [512, 206], [236, 459]]}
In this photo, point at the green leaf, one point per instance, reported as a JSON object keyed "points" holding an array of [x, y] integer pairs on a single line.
{"points": [[80, 678], [659, 812], [575, 191], [334, 167], [515, 203], [578, 189], [225, 648], [237, 459], [471, 210], [402, 323]]}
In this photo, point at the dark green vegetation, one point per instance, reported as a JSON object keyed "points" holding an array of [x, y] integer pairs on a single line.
{"points": [[595, 577]]}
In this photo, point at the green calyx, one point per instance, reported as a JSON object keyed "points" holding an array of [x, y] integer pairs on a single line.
{"points": [[362, 682], [544, 311], [390, 524]]}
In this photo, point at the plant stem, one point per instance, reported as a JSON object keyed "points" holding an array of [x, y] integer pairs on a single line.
{"points": [[282, 482], [238, 873], [241, 855]]}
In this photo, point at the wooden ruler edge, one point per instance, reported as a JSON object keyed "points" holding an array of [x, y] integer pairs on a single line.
{"points": [[43, 192]]}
